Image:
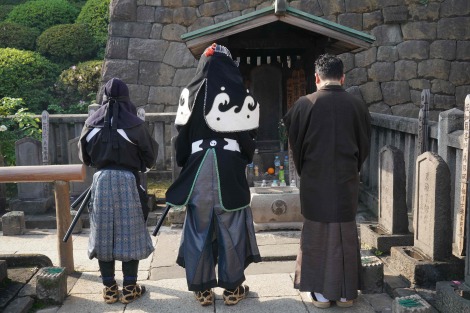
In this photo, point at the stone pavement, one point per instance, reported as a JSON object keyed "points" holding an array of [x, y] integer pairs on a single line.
{"points": [[271, 281]]}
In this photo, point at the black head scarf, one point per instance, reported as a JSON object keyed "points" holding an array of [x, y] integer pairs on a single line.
{"points": [[228, 105], [116, 97], [116, 111]]}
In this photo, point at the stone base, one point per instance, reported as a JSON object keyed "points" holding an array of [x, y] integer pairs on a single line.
{"points": [[31, 206], [452, 298], [278, 209], [176, 217], [277, 226], [51, 284], [13, 223], [421, 271], [412, 303], [372, 275], [373, 236]]}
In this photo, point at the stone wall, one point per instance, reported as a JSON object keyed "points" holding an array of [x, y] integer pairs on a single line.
{"points": [[421, 44]]}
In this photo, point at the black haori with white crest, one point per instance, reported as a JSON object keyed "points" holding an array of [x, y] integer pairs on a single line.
{"points": [[228, 105]]}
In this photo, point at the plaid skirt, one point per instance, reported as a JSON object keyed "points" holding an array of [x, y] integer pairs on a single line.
{"points": [[117, 227]]}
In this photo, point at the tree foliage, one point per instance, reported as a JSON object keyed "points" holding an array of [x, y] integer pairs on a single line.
{"points": [[42, 14], [27, 75], [67, 43]]}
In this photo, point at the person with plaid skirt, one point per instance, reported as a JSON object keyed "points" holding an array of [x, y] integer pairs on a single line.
{"points": [[116, 142]]}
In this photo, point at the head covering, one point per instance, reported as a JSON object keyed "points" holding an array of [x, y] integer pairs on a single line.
{"points": [[116, 96], [228, 105], [116, 111]]}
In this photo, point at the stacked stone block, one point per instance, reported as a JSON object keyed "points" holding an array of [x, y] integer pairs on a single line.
{"points": [[418, 45]]}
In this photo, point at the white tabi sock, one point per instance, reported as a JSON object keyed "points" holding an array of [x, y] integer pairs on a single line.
{"points": [[320, 297]]}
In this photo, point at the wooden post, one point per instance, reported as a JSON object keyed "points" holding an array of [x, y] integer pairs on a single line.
{"points": [[63, 217]]}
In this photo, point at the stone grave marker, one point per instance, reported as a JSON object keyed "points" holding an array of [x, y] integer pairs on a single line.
{"points": [[392, 227], [430, 259], [432, 215], [393, 215], [32, 197]]}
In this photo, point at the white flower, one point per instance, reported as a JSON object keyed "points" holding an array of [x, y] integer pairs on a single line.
{"points": [[3, 128]]}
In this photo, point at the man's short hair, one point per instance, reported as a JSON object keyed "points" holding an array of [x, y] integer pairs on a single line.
{"points": [[329, 67]]}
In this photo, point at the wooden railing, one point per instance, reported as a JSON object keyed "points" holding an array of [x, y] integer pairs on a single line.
{"points": [[61, 175]]}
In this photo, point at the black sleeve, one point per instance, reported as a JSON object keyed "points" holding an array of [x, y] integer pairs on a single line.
{"points": [[247, 143], [148, 148], [82, 153], [182, 146]]}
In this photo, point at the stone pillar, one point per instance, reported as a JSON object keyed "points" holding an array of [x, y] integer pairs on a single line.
{"points": [[393, 213], [13, 223], [372, 275], [51, 284], [449, 121], [431, 219], [423, 127]]}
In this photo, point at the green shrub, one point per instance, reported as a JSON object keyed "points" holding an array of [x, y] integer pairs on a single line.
{"points": [[21, 124], [77, 87], [14, 35], [12, 2], [27, 75], [95, 14], [5, 9], [67, 43], [42, 14]]}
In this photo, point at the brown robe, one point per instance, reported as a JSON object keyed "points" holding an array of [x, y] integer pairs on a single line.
{"points": [[329, 134]]}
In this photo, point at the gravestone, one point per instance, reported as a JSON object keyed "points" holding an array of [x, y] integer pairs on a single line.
{"points": [[454, 296], [432, 215], [32, 197], [430, 259], [392, 227]]}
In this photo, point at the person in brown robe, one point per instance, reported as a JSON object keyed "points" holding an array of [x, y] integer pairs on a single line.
{"points": [[329, 134]]}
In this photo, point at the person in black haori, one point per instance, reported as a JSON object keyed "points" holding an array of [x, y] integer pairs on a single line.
{"points": [[217, 120], [117, 143], [329, 134]]}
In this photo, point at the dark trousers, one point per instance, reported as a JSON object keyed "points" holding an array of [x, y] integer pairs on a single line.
{"points": [[129, 270]]}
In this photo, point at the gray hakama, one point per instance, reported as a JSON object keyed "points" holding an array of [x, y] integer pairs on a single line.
{"points": [[213, 236], [329, 260], [117, 226]]}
